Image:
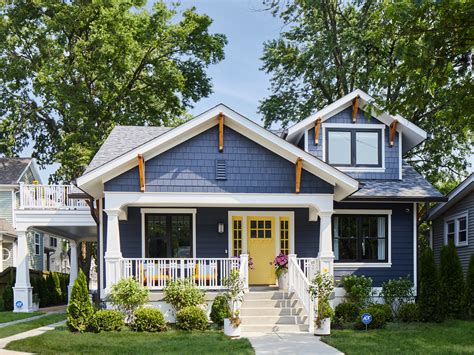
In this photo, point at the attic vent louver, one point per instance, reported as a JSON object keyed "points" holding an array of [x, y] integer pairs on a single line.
{"points": [[221, 170]]}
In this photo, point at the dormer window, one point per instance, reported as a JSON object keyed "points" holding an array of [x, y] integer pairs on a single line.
{"points": [[354, 147]]}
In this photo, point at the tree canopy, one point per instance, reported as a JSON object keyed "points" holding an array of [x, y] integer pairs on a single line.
{"points": [[413, 57], [71, 70]]}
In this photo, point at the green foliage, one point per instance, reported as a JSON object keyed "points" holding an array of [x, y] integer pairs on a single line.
{"points": [[106, 320], [397, 292], [128, 295], [385, 308], [79, 310], [469, 289], [452, 281], [183, 293], [409, 312], [429, 288], [235, 290], [358, 289], [7, 297], [73, 70], [191, 318], [220, 309], [347, 312], [413, 57], [148, 320], [379, 317], [320, 289]]}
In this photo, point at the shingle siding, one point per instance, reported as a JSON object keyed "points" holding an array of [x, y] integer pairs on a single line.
{"points": [[191, 167], [392, 161], [464, 205]]}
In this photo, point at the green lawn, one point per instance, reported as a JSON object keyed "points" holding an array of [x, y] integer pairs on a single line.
{"points": [[62, 341], [36, 323], [450, 337], [10, 316]]}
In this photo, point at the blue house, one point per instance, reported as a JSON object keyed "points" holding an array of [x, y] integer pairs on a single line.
{"points": [[220, 192]]}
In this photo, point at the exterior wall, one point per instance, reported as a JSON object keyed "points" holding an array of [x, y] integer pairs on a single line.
{"points": [[59, 259], [191, 167], [392, 159], [6, 205], [401, 244], [464, 205], [36, 261], [28, 177]]}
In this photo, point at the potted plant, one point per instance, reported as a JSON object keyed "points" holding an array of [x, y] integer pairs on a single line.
{"points": [[281, 271], [320, 290], [235, 294]]}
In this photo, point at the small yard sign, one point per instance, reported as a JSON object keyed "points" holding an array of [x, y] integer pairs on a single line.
{"points": [[19, 304], [366, 318]]}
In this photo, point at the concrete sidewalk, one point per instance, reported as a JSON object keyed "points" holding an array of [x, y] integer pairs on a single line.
{"points": [[289, 343]]}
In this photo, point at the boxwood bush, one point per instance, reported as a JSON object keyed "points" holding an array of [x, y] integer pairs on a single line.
{"points": [[379, 316], [220, 309], [358, 289], [148, 320], [183, 293], [106, 320], [409, 312], [347, 312], [191, 318]]}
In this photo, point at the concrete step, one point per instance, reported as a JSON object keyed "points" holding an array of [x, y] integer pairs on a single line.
{"points": [[268, 295], [261, 303], [273, 311], [270, 328], [273, 320]]}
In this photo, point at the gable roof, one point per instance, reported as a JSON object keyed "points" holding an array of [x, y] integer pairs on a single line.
{"points": [[462, 190], [413, 187], [412, 135], [92, 180], [12, 169]]}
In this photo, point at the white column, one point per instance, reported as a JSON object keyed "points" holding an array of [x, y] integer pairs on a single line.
{"points": [[244, 262], [326, 253], [113, 255], [73, 268], [14, 251], [22, 292], [1, 257]]}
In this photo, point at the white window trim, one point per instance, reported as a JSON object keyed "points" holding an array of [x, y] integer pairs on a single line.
{"points": [[191, 211], [245, 214], [456, 217], [351, 126], [383, 264], [9, 254], [51, 242], [35, 234]]}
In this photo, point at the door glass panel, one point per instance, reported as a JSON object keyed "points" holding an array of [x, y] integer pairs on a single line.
{"points": [[158, 244], [181, 236], [168, 236]]}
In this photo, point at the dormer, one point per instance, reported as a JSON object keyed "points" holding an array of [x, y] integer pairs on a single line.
{"points": [[356, 138]]}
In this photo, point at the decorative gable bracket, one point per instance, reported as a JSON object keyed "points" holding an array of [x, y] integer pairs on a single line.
{"points": [[141, 171], [355, 107], [317, 129], [299, 166], [393, 132], [221, 132]]}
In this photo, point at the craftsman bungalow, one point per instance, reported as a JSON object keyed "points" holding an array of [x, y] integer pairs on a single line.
{"points": [[200, 199]]}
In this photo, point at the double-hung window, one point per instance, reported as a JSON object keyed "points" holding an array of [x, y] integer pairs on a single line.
{"points": [[53, 242], [354, 147], [360, 238], [455, 230], [37, 244]]}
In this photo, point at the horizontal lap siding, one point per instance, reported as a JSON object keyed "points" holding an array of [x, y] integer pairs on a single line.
{"points": [[191, 167], [402, 244], [464, 205]]}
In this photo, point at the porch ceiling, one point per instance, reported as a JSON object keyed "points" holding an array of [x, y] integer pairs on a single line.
{"points": [[76, 233]]}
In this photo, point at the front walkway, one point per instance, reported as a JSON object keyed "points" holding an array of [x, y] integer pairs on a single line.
{"points": [[289, 343]]}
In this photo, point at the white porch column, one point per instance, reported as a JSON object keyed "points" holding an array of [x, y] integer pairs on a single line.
{"points": [[14, 251], [326, 253], [113, 255], [73, 268], [22, 291]]}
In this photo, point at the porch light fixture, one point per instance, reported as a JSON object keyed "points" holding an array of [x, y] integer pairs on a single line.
{"points": [[220, 228]]}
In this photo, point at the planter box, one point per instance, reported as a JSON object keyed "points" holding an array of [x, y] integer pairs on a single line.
{"points": [[230, 330], [325, 328]]}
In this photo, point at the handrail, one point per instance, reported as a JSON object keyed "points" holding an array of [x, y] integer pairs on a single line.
{"points": [[35, 196], [299, 283], [309, 266]]}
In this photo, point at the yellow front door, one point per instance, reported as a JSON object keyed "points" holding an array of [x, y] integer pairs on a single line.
{"points": [[261, 248]]}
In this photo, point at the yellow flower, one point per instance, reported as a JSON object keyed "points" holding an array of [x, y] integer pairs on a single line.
{"points": [[325, 270]]}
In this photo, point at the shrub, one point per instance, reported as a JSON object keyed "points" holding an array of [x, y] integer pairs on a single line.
{"points": [[428, 297], [379, 317], [469, 289], [148, 320], [397, 292], [7, 297], [385, 308], [80, 310], [452, 281], [57, 287], [106, 320], [409, 312], [358, 289], [183, 293], [347, 312], [220, 309], [191, 318], [128, 295], [54, 296]]}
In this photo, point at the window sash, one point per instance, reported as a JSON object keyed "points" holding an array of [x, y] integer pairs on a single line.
{"points": [[454, 231]]}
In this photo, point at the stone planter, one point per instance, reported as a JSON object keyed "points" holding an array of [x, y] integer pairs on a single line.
{"points": [[230, 330], [283, 281], [325, 328]]}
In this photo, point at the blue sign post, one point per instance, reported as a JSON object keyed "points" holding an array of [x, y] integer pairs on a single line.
{"points": [[366, 318]]}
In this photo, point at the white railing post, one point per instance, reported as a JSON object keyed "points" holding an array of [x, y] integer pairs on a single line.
{"points": [[22, 194], [113, 254], [292, 262], [244, 269]]}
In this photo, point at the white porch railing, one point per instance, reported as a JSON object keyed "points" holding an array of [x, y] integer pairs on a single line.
{"points": [[48, 197], [207, 273], [309, 266], [299, 283]]}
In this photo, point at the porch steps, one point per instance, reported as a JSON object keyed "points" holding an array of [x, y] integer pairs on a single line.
{"points": [[267, 310]]}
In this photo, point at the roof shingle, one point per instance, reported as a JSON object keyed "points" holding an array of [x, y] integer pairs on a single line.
{"points": [[11, 169]]}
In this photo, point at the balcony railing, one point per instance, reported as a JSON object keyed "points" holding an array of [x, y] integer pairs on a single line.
{"points": [[207, 273], [49, 197]]}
